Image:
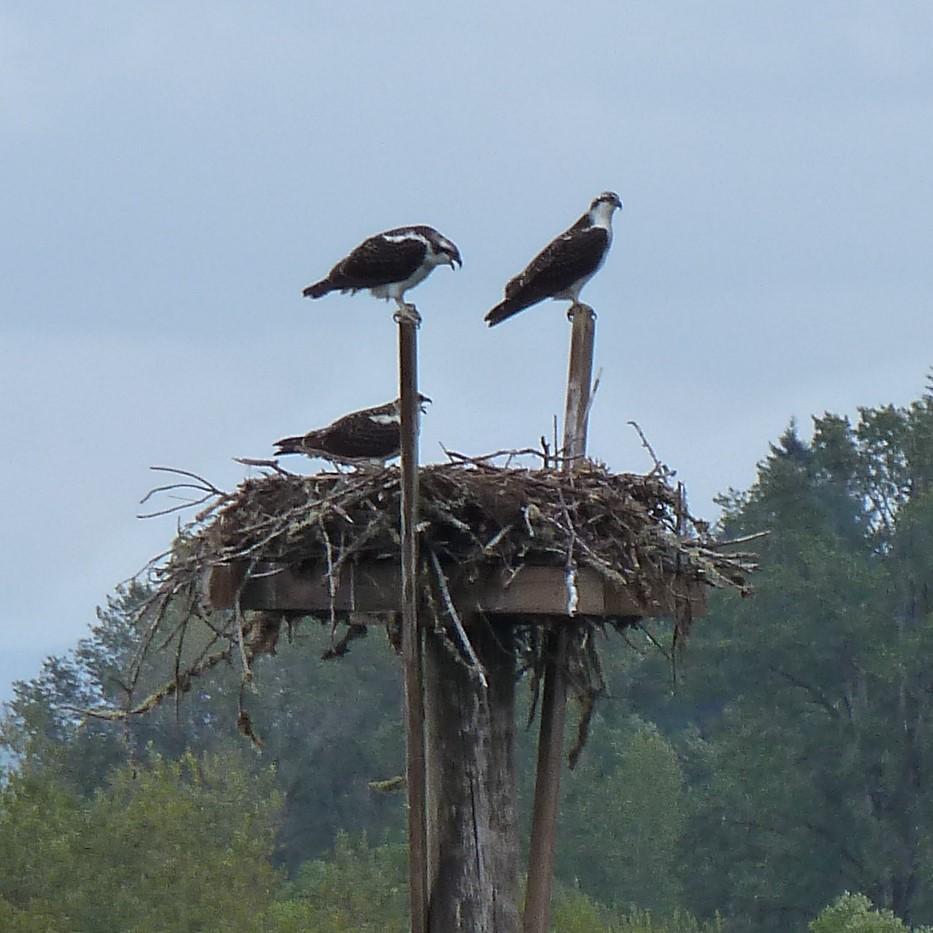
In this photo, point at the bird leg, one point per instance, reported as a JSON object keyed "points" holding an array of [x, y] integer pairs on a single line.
{"points": [[407, 313]]}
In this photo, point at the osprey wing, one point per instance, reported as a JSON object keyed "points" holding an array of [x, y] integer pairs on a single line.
{"points": [[385, 258], [572, 256], [360, 436]]}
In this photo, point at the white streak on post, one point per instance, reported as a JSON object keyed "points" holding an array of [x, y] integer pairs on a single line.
{"points": [[573, 597]]}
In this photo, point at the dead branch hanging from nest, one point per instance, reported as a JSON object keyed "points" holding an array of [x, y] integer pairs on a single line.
{"points": [[476, 667]]}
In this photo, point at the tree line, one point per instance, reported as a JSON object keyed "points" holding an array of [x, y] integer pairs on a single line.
{"points": [[779, 782]]}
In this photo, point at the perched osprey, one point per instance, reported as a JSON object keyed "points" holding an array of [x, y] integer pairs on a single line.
{"points": [[565, 265], [389, 264], [371, 435]]}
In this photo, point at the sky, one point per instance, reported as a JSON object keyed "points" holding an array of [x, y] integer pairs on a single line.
{"points": [[173, 174]]}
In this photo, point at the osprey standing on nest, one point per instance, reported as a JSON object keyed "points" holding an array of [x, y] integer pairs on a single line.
{"points": [[565, 265], [371, 435], [388, 264]]}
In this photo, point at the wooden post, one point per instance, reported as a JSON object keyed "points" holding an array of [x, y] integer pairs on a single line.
{"points": [[579, 380], [412, 655], [471, 782], [554, 699]]}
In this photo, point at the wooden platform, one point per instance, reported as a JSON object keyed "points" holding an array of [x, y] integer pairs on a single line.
{"points": [[376, 588]]}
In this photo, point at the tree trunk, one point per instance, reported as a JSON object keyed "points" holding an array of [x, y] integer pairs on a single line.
{"points": [[472, 813]]}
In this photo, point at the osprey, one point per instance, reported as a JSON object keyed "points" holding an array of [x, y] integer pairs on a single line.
{"points": [[370, 435], [565, 265], [388, 264]]}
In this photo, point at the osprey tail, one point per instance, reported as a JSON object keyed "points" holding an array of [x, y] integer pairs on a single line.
{"points": [[505, 309], [319, 289], [289, 445]]}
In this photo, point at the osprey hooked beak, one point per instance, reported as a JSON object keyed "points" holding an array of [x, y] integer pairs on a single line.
{"points": [[452, 258], [424, 400]]}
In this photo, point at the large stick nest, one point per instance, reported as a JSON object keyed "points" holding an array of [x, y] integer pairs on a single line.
{"points": [[633, 530]]}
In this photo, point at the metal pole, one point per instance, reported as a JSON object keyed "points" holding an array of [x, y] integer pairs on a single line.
{"points": [[554, 700], [412, 654]]}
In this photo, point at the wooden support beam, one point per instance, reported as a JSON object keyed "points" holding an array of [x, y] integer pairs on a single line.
{"points": [[412, 657], [376, 588], [554, 700], [471, 787]]}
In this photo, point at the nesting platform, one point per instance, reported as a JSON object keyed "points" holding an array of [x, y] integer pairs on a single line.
{"points": [[374, 588], [500, 541]]}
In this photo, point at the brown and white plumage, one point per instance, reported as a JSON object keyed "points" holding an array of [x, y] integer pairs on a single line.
{"points": [[565, 265], [389, 264], [371, 435]]}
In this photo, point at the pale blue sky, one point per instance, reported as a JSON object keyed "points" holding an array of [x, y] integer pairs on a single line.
{"points": [[174, 173]]}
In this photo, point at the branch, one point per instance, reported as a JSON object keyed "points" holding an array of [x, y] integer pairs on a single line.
{"points": [[711, 545], [455, 619], [818, 697], [659, 467], [270, 464], [202, 485]]}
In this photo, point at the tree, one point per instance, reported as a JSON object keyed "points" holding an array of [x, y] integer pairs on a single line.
{"points": [[303, 709], [808, 772], [855, 913], [177, 846], [622, 819], [360, 889]]}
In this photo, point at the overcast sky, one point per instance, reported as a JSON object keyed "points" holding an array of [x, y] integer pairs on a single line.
{"points": [[174, 173]]}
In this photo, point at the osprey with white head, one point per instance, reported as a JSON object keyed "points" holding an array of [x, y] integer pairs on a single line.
{"points": [[565, 265], [389, 264]]}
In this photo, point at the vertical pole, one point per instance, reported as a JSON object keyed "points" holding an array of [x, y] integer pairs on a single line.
{"points": [[579, 380], [412, 656], [554, 700], [471, 782]]}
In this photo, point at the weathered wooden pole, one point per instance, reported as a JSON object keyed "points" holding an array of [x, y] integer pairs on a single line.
{"points": [[472, 809], [554, 698], [412, 656]]}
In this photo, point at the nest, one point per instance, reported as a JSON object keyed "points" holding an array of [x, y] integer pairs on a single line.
{"points": [[629, 528], [632, 530]]}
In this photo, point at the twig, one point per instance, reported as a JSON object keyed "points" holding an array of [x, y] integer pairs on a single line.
{"points": [[240, 621], [659, 467], [593, 391], [206, 483], [456, 457], [341, 648], [186, 504], [743, 540], [171, 486], [641, 627], [270, 464], [455, 619]]}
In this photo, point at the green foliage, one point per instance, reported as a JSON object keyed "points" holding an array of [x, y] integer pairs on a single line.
{"points": [[305, 711], [33, 920], [855, 913], [639, 921], [360, 889], [623, 816], [575, 912], [808, 779], [572, 911], [174, 846]]}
